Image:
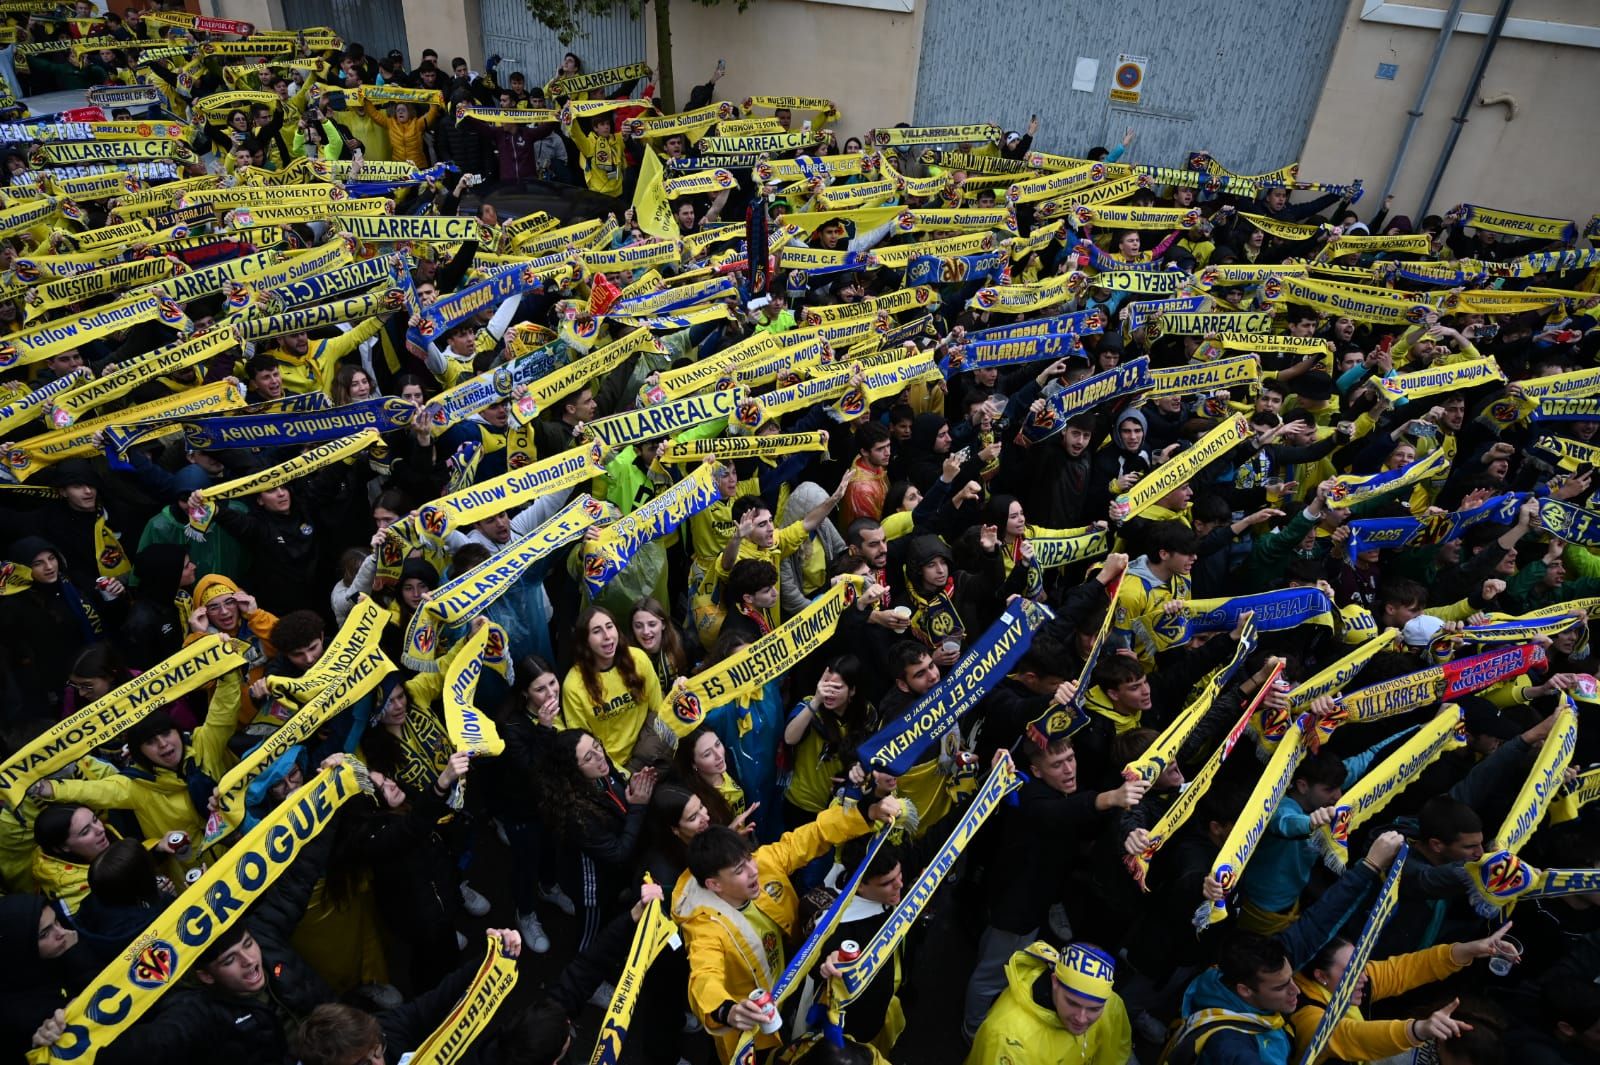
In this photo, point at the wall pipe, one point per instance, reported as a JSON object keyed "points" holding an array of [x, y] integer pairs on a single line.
{"points": [[1414, 115], [1460, 118]]}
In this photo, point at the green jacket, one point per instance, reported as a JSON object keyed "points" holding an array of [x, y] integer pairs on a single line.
{"points": [[214, 552]]}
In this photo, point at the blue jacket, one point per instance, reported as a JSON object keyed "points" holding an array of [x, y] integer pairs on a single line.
{"points": [[1281, 867], [1245, 1043]]}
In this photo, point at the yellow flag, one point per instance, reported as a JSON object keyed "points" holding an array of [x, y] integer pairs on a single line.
{"points": [[650, 205]]}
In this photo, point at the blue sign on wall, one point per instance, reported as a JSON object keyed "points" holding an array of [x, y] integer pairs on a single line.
{"points": [[1387, 71]]}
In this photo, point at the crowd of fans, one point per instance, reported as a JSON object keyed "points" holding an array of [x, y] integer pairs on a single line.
{"points": [[939, 504]]}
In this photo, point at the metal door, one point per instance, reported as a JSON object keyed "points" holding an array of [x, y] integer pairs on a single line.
{"points": [[376, 27], [609, 40], [1241, 79]]}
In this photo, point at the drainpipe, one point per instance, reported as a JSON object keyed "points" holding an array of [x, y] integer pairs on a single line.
{"points": [[1460, 118], [1414, 115]]}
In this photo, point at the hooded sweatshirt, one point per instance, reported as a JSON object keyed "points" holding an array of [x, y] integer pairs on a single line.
{"points": [[254, 629], [45, 626], [1112, 461], [1220, 1028], [162, 799], [805, 573], [1021, 1030], [31, 988]]}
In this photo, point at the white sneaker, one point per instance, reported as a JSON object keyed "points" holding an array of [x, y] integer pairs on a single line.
{"points": [[461, 941], [602, 995], [474, 903], [558, 898], [533, 936]]}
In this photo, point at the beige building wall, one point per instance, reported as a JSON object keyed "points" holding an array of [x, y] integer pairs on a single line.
{"points": [[862, 59], [266, 14], [450, 28], [1541, 161]]}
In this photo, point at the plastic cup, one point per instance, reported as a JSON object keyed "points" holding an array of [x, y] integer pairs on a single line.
{"points": [[1501, 964]]}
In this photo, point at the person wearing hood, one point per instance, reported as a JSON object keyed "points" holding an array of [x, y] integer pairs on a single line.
{"points": [[1057, 1006], [1120, 462], [929, 447], [162, 605], [77, 523], [1237, 1012], [418, 578], [804, 574], [45, 964], [171, 778], [214, 551], [247, 988], [46, 620], [950, 606], [223, 608]]}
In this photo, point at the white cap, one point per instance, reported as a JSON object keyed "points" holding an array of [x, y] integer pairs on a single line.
{"points": [[1420, 630]]}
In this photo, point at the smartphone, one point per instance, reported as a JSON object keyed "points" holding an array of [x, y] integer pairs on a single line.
{"points": [[722, 66], [1584, 470]]}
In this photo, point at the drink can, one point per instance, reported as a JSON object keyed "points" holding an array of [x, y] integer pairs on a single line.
{"points": [[849, 951], [178, 843], [762, 1000], [193, 876]]}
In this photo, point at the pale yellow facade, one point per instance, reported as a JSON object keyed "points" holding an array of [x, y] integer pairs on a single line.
{"points": [[1533, 151]]}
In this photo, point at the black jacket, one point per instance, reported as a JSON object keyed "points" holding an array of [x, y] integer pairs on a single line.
{"points": [[31, 989], [1040, 838], [153, 629], [196, 1022], [286, 571]]}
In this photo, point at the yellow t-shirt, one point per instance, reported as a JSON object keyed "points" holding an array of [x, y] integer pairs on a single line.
{"points": [[811, 783], [732, 794], [771, 935], [618, 717], [786, 543], [712, 528]]}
